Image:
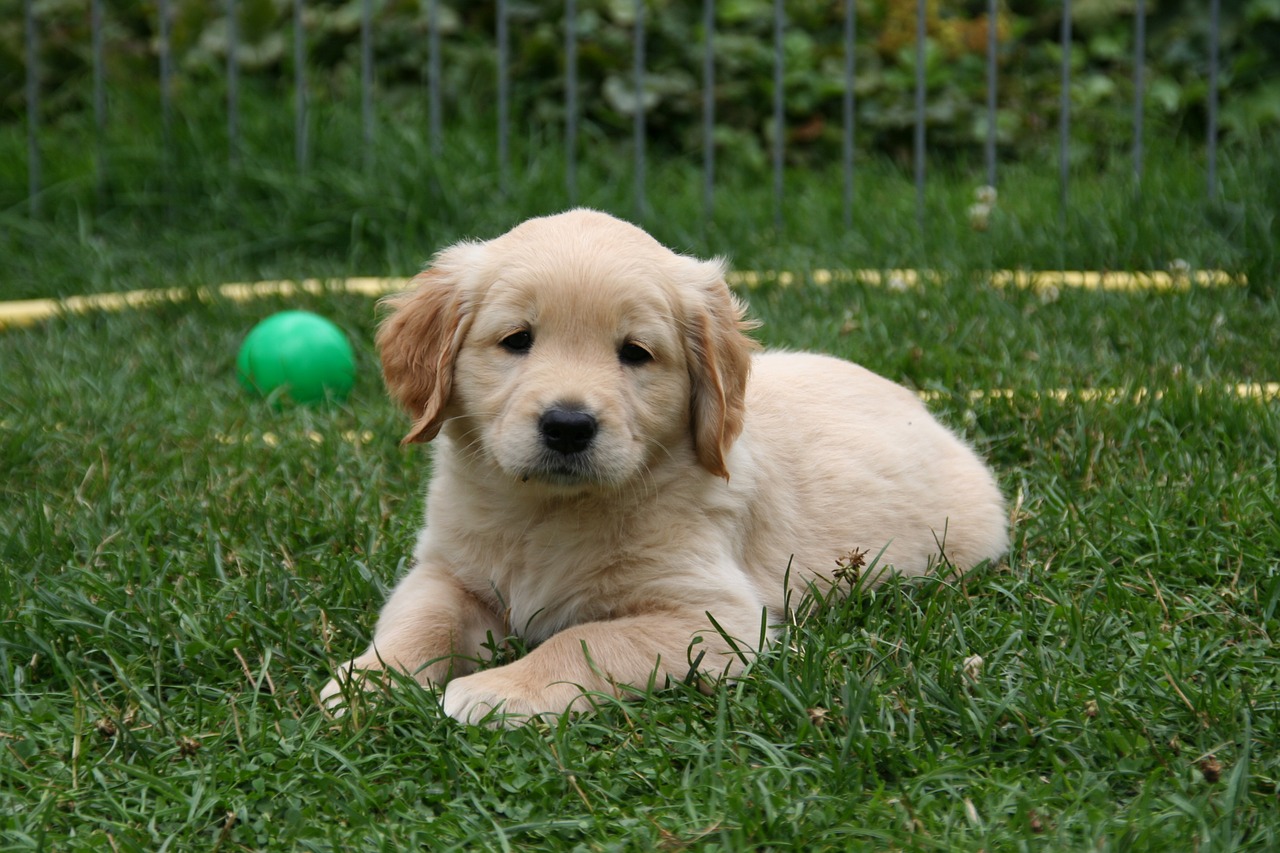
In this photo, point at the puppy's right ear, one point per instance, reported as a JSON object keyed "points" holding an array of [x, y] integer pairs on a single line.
{"points": [[418, 343], [719, 353]]}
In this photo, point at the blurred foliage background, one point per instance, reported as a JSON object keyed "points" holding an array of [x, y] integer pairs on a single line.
{"points": [[1102, 60]]}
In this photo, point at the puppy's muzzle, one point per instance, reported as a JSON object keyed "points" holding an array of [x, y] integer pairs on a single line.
{"points": [[567, 430]]}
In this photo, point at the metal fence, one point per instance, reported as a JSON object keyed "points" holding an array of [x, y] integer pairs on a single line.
{"points": [[32, 33]]}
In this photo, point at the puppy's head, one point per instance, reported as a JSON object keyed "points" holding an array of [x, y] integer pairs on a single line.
{"points": [[574, 351]]}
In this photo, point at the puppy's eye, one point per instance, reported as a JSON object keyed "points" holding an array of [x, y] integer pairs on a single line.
{"points": [[517, 342], [633, 354]]}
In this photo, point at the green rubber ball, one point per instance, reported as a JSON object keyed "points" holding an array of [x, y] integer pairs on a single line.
{"points": [[297, 356]]}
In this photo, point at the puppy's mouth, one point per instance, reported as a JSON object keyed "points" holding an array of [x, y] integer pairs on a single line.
{"points": [[556, 469]]}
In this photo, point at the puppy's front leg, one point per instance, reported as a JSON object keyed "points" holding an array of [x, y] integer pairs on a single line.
{"points": [[603, 657], [430, 628]]}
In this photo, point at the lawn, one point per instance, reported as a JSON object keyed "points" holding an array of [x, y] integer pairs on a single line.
{"points": [[180, 563]]}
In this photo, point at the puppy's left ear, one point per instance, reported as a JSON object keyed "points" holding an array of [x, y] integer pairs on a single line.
{"points": [[418, 343], [719, 354]]}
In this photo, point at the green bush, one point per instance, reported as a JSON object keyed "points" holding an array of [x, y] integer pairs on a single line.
{"points": [[1029, 57]]}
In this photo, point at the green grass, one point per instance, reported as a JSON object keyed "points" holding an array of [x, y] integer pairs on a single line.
{"points": [[190, 216], [179, 563]]}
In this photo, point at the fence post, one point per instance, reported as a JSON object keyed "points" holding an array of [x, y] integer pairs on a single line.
{"points": [[503, 95], [233, 84], [299, 88], [1064, 117], [921, 31], [779, 108], [434, 108], [33, 105], [166, 93], [99, 102], [1212, 141], [850, 37], [993, 22], [571, 100], [708, 110], [1139, 92], [638, 130], [366, 82]]}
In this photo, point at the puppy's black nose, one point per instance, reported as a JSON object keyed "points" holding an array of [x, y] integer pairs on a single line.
{"points": [[567, 430]]}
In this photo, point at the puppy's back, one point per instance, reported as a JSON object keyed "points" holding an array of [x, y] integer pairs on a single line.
{"points": [[844, 459]]}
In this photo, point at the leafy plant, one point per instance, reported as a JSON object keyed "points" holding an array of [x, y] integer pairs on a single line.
{"points": [[1029, 57]]}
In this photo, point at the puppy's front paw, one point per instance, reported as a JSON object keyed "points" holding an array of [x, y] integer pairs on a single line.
{"points": [[495, 698], [352, 676], [331, 696]]}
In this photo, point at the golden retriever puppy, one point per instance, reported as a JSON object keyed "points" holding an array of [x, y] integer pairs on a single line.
{"points": [[616, 467]]}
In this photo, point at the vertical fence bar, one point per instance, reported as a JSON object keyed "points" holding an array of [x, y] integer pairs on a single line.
{"points": [[993, 43], [708, 110], [779, 108], [850, 38], [166, 89], [299, 89], [1139, 88], [921, 18], [33, 105], [1212, 140], [99, 101], [1064, 116], [571, 100], [366, 83], [233, 83], [638, 129], [434, 107], [504, 60]]}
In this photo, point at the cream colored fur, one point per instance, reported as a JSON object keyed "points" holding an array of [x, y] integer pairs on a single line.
{"points": [[713, 471]]}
